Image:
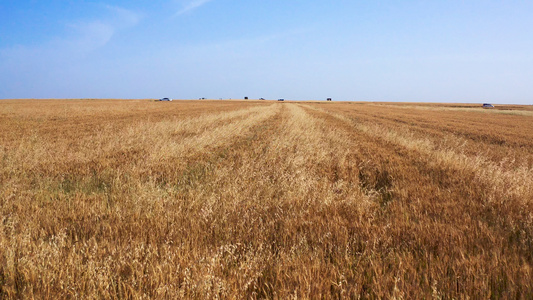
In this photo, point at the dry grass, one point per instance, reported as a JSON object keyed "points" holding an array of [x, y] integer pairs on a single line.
{"points": [[520, 110], [227, 199]]}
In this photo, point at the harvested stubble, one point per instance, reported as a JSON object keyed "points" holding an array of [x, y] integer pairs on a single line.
{"points": [[116, 199]]}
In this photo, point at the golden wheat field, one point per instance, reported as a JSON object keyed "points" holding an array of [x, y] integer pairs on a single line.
{"points": [[105, 199]]}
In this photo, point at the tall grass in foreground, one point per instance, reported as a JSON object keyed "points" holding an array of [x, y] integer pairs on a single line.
{"points": [[257, 201]]}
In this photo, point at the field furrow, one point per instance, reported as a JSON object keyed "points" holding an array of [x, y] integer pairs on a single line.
{"points": [[489, 209], [498, 138], [509, 182]]}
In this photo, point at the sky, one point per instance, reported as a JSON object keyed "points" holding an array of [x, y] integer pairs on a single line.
{"points": [[374, 50]]}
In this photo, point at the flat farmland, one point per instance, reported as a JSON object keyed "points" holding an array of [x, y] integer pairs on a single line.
{"points": [[108, 199]]}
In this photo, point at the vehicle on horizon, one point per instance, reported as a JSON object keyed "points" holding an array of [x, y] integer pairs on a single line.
{"points": [[165, 99], [488, 105], [281, 99]]}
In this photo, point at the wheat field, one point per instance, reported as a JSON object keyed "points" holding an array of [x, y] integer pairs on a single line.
{"points": [[106, 199]]}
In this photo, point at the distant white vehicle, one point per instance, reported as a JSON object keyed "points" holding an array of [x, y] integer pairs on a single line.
{"points": [[165, 99]]}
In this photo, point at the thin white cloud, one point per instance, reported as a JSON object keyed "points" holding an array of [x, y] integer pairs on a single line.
{"points": [[194, 4], [123, 17], [26, 69], [95, 34], [87, 36]]}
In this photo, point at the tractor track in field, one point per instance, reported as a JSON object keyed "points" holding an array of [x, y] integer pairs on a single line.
{"points": [[443, 207]]}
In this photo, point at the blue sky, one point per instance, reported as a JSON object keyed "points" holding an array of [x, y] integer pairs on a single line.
{"points": [[435, 51]]}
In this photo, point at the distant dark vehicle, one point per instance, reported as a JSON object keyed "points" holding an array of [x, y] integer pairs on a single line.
{"points": [[261, 98], [201, 98], [329, 99], [165, 99], [245, 98], [281, 99], [488, 105]]}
